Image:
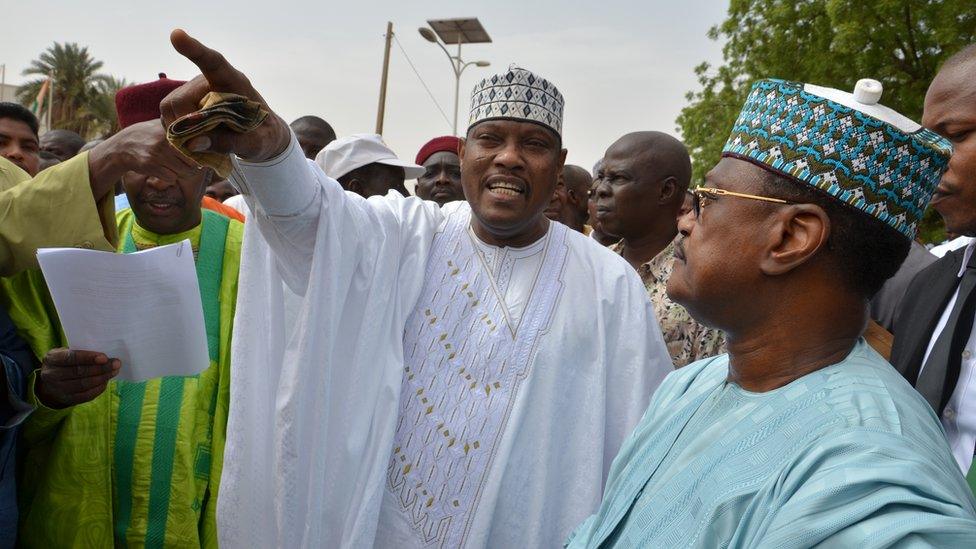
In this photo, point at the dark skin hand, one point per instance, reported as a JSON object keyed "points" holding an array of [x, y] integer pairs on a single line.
{"points": [[268, 140], [69, 377], [140, 148]]}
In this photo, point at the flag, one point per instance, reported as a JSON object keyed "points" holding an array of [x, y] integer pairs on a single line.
{"points": [[39, 100]]}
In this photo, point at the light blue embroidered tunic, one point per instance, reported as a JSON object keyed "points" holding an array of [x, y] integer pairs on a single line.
{"points": [[848, 456]]}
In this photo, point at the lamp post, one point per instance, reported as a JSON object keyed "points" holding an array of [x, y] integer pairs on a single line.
{"points": [[456, 31]]}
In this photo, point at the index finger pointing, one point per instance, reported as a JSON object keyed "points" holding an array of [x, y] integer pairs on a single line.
{"points": [[219, 73]]}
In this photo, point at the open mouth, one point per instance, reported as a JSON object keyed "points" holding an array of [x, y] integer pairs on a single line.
{"points": [[162, 208], [505, 189]]}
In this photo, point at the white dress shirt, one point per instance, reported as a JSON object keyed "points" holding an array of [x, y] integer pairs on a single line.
{"points": [[959, 416], [951, 245]]}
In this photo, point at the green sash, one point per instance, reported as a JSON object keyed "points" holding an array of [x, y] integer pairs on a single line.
{"points": [[209, 266]]}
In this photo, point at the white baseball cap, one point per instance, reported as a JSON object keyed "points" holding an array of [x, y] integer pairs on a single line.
{"points": [[355, 151]]}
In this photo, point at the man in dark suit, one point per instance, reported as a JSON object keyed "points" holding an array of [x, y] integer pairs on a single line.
{"points": [[935, 344]]}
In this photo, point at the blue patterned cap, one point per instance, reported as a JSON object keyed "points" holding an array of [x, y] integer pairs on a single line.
{"points": [[847, 145], [517, 95]]}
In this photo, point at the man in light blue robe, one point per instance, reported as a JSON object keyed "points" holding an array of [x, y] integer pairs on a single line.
{"points": [[802, 435]]}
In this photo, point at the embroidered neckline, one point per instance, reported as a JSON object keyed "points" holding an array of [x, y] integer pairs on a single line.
{"points": [[461, 380], [499, 262]]}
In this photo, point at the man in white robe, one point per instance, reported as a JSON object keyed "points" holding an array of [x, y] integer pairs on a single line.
{"points": [[457, 377]]}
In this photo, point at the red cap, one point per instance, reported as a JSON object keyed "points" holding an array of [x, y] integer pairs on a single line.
{"points": [[446, 143], [140, 103]]}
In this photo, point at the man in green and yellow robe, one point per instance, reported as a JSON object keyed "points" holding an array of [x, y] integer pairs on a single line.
{"points": [[139, 464]]}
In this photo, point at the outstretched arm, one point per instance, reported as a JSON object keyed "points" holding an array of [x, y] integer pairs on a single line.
{"points": [[282, 190], [298, 209], [71, 204]]}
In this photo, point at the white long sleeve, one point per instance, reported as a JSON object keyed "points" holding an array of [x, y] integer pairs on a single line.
{"points": [[312, 412]]}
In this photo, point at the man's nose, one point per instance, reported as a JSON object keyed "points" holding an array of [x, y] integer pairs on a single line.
{"points": [[12, 152], [686, 222], [442, 178], [158, 184], [510, 156]]}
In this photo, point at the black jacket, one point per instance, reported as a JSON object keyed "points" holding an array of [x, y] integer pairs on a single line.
{"points": [[920, 310]]}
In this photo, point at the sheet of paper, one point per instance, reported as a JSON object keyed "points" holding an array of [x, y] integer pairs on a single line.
{"points": [[143, 308]]}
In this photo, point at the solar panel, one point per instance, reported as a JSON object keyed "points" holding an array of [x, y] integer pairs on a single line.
{"points": [[464, 30]]}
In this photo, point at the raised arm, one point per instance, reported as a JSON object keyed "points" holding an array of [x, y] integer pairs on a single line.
{"points": [[281, 189], [71, 204], [301, 213]]}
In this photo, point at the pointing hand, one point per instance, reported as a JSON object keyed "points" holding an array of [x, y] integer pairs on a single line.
{"points": [[266, 141]]}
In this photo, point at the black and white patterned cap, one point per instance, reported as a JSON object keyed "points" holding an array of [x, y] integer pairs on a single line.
{"points": [[517, 94]]}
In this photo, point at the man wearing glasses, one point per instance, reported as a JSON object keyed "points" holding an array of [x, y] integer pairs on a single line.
{"points": [[802, 435]]}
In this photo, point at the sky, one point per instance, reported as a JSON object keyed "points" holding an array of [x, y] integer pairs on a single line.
{"points": [[621, 65]]}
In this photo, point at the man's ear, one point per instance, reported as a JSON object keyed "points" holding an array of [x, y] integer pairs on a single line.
{"points": [[669, 187], [461, 148], [793, 237], [571, 196], [579, 199], [356, 186]]}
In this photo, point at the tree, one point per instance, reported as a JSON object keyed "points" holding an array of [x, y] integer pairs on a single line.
{"points": [[101, 110], [831, 43], [78, 87]]}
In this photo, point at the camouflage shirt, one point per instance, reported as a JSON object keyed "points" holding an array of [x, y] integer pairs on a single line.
{"points": [[687, 340]]}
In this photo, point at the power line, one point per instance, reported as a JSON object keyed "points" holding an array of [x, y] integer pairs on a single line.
{"points": [[424, 84]]}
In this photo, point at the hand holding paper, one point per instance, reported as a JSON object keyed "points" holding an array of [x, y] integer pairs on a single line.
{"points": [[142, 308], [69, 377]]}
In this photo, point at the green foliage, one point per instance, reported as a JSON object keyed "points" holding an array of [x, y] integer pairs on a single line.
{"points": [[84, 98], [831, 43], [102, 107]]}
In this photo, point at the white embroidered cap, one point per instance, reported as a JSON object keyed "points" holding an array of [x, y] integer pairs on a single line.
{"points": [[517, 95]]}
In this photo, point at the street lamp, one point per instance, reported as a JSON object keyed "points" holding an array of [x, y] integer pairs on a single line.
{"points": [[456, 31]]}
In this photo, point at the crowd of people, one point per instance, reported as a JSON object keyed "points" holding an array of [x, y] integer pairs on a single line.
{"points": [[525, 353]]}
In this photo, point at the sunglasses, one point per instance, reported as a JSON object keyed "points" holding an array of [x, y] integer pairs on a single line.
{"points": [[702, 195]]}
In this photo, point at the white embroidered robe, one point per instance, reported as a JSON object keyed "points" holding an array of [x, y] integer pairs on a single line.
{"points": [[436, 391]]}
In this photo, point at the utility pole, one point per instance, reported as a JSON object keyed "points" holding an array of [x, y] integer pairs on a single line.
{"points": [[381, 110], [458, 67]]}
